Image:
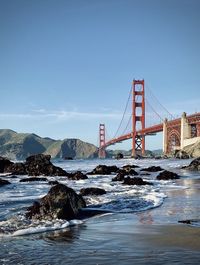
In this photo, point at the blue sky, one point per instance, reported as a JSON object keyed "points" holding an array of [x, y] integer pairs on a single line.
{"points": [[66, 66]]}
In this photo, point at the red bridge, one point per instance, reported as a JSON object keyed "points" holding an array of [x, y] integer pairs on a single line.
{"points": [[177, 133]]}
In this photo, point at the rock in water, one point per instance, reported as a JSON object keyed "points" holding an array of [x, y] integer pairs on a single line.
{"points": [[4, 164], [92, 191], [17, 169], [40, 164], [194, 165], [135, 181], [167, 175], [61, 202], [4, 182], [76, 176], [104, 170], [152, 169]]}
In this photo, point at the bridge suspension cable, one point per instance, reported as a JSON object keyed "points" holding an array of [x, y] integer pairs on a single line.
{"points": [[169, 115], [120, 124]]}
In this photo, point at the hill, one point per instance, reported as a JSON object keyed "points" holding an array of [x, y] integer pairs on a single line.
{"points": [[18, 146]]}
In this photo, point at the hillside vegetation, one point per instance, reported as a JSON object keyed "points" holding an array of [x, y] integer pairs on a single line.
{"points": [[18, 146]]}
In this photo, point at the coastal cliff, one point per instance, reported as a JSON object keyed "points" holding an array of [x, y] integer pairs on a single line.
{"points": [[18, 146]]}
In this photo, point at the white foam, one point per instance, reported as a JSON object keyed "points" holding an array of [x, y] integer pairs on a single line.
{"points": [[48, 226]]}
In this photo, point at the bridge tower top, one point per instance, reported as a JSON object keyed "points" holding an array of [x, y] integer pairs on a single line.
{"points": [[138, 117]]}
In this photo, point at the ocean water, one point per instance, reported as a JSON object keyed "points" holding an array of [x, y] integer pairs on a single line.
{"points": [[95, 240]]}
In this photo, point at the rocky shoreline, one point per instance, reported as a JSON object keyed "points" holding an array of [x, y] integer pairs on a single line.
{"points": [[62, 202]]}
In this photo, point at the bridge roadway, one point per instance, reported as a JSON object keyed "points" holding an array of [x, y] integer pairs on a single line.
{"points": [[153, 129]]}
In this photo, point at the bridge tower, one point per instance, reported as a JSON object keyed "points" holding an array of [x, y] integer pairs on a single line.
{"points": [[102, 141], [138, 117]]}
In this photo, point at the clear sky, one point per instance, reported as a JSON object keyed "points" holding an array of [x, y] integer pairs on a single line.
{"points": [[67, 65]]}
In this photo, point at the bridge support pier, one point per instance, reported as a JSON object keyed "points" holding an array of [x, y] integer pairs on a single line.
{"points": [[185, 129]]}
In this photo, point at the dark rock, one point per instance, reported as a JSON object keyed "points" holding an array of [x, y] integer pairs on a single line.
{"points": [[32, 179], [120, 176], [68, 158], [185, 222], [61, 202], [119, 156], [53, 182], [4, 164], [167, 175], [77, 176], [130, 171], [135, 181], [4, 182], [130, 166], [181, 155], [194, 165], [17, 169], [92, 191], [40, 164], [152, 169], [104, 170]]}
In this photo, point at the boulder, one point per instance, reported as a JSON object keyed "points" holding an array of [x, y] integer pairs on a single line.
{"points": [[17, 169], [104, 170], [194, 165], [167, 175], [92, 191], [119, 156], [152, 169], [53, 182], [120, 176], [33, 179], [130, 166], [77, 176], [4, 182], [61, 202], [181, 154], [4, 164], [40, 164], [135, 181]]}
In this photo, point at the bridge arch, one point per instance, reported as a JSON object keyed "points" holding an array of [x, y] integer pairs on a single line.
{"points": [[174, 140]]}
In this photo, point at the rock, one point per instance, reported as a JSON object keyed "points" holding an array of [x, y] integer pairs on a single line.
{"points": [[77, 176], [32, 179], [135, 181], [61, 202], [181, 154], [185, 222], [68, 158], [194, 165], [152, 169], [53, 182], [40, 164], [104, 170], [167, 175], [4, 164], [130, 166], [17, 169], [119, 156], [130, 171], [4, 182], [120, 176], [92, 191]]}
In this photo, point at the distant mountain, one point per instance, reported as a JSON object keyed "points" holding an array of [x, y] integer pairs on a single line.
{"points": [[18, 146]]}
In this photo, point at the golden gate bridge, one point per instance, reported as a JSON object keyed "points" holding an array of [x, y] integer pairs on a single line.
{"points": [[177, 132]]}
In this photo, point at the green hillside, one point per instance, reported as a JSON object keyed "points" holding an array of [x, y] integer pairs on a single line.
{"points": [[18, 146]]}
